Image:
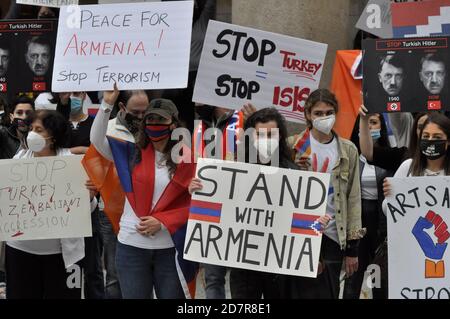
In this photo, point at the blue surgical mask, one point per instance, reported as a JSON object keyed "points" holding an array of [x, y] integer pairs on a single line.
{"points": [[76, 105], [376, 134]]}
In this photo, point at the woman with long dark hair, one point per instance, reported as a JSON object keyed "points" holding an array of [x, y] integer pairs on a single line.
{"points": [[432, 156], [156, 203], [265, 144]]}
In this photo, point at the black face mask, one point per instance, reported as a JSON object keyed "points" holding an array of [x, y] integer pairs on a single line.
{"points": [[433, 149], [132, 122], [19, 124]]}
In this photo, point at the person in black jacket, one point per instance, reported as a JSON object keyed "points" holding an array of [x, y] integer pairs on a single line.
{"points": [[387, 157], [372, 215], [12, 136]]}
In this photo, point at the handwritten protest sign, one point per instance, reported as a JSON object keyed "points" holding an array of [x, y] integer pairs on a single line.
{"points": [[136, 45], [418, 215], [257, 217], [48, 3], [240, 64], [44, 198]]}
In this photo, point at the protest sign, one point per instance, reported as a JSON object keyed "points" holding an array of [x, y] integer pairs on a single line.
{"points": [[136, 45], [418, 212], [257, 217], [44, 198], [26, 51], [406, 75], [48, 3], [240, 65]]}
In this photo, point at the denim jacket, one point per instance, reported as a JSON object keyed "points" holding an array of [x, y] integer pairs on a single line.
{"points": [[347, 200]]}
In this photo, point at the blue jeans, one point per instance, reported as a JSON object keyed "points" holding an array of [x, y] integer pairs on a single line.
{"points": [[141, 270], [215, 281], [109, 241]]}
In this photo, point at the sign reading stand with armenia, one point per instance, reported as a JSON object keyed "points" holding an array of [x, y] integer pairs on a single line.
{"points": [[240, 65], [261, 218]]}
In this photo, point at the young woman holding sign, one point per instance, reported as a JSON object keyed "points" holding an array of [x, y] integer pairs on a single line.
{"points": [[266, 146], [156, 203], [36, 269], [320, 149], [432, 156]]}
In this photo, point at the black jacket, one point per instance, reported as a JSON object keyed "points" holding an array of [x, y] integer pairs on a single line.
{"points": [[9, 143]]}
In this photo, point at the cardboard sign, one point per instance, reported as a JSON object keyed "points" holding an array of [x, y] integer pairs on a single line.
{"points": [[136, 45], [406, 75], [44, 198], [240, 65], [257, 217], [27, 48], [418, 216]]}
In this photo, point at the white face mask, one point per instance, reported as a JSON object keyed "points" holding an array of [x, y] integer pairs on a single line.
{"points": [[324, 124], [36, 142], [266, 146]]}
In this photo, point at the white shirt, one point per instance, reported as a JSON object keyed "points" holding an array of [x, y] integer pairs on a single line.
{"points": [[323, 152], [128, 234], [368, 181], [72, 249]]}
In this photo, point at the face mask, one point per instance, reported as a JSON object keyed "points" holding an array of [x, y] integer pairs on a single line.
{"points": [[19, 124], [324, 124], [376, 134], [266, 146], [36, 142], [76, 105], [157, 132], [433, 149], [131, 121]]}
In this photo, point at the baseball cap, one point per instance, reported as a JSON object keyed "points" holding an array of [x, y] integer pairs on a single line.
{"points": [[164, 108]]}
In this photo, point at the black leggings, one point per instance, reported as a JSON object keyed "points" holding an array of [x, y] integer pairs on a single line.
{"points": [[30, 276]]}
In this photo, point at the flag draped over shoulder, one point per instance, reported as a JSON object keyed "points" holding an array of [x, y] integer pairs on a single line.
{"points": [[135, 181], [346, 84]]}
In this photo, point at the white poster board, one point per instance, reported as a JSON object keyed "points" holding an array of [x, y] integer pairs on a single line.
{"points": [[257, 217], [240, 65], [48, 3], [123, 1], [418, 214], [136, 45], [44, 198]]}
